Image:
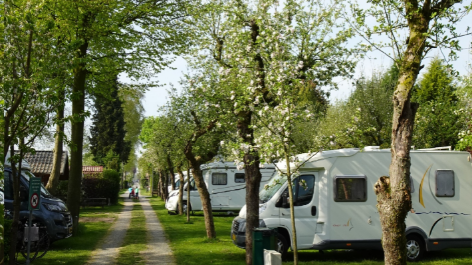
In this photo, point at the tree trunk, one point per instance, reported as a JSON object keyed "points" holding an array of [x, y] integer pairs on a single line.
{"points": [[253, 179], [181, 190], [393, 193], [16, 172], [292, 209], [206, 201], [188, 195], [53, 181], [202, 190], [171, 170], [77, 137]]}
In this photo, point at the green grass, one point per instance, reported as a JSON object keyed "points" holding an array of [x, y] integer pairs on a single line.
{"points": [[135, 240], [190, 246], [189, 242], [77, 249]]}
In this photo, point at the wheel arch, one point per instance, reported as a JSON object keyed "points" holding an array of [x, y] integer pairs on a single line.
{"points": [[414, 230]]}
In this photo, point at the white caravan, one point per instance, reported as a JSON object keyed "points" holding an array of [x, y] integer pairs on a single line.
{"points": [[226, 185], [177, 181], [335, 204]]}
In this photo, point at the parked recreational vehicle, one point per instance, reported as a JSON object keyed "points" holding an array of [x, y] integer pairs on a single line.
{"points": [[226, 185], [177, 181], [335, 208]]}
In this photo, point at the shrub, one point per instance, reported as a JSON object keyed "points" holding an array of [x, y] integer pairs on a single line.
{"points": [[108, 186]]}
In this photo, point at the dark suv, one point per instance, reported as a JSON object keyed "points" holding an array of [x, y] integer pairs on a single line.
{"points": [[53, 212]]}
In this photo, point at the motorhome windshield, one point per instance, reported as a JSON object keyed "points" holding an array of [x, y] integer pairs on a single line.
{"points": [[271, 188], [44, 191]]}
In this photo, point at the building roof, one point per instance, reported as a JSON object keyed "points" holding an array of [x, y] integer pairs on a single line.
{"points": [[92, 169], [41, 162]]}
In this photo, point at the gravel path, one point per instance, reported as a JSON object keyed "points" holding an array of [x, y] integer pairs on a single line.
{"points": [[108, 251], [158, 250]]}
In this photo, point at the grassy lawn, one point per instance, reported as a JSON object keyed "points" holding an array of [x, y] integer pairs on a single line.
{"points": [[76, 250], [190, 246], [135, 240]]}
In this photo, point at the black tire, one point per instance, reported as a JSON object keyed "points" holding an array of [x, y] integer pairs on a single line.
{"points": [[282, 245], [415, 248], [184, 208]]}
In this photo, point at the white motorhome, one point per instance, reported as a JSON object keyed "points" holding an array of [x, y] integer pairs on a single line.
{"points": [[226, 185], [335, 208], [177, 181]]}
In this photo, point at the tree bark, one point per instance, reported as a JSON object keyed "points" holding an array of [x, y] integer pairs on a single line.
{"points": [[253, 179], [203, 191], [77, 137], [171, 171], [53, 181], [181, 190], [205, 198], [393, 193], [16, 172]]}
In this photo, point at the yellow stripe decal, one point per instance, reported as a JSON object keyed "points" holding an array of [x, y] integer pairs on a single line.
{"points": [[421, 186]]}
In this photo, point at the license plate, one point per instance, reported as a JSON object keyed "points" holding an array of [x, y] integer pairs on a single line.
{"points": [[70, 229], [234, 237]]}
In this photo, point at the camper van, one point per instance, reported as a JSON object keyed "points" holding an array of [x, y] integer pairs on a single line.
{"points": [[52, 214], [335, 203], [226, 185]]}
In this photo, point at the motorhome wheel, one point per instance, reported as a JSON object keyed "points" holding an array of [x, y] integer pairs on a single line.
{"points": [[184, 207], [282, 245], [414, 247]]}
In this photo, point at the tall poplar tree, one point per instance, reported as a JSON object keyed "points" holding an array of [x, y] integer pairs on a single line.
{"points": [[108, 129]]}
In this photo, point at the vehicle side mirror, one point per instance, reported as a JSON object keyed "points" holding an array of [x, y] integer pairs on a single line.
{"points": [[283, 202]]}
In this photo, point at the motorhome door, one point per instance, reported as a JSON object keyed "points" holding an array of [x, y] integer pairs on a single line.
{"points": [[305, 208]]}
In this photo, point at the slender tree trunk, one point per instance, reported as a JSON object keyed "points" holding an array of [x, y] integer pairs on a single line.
{"points": [[16, 173], [53, 181], [77, 137], [188, 195], [292, 209], [393, 193], [181, 189]]}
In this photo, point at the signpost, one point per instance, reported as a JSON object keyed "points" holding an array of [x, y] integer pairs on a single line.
{"points": [[34, 204]]}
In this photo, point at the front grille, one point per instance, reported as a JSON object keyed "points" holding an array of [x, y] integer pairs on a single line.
{"points": [[235, 226], [67, 218]]}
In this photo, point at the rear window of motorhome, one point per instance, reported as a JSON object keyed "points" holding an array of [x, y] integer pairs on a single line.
{"points": [[219, 179], [350, 189], [239, 178], [445, 183]]}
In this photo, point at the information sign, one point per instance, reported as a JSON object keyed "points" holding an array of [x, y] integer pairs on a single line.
{"points": [[34, 194]]}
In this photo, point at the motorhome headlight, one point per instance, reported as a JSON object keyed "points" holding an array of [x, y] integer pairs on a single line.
{"points": [[262, 208], [55, 207]]}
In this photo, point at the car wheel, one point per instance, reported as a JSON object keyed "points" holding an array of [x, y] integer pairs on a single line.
{"points": [[282, 245], [415, 248], [184, 208]]}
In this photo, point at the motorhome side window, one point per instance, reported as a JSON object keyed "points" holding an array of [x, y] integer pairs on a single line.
{"points": [[303, 190], [239, 178], [445, 183], [219, 179], [350, 189]]}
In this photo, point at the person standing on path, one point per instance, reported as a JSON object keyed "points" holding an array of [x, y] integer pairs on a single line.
{"points": [[136, 191]]}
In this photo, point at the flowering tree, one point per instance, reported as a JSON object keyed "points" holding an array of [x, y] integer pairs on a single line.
{"points": [[412, 28], [275, 57]]}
